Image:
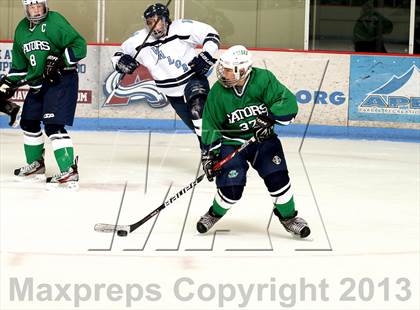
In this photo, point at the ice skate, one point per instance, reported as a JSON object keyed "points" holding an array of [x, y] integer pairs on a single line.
{"points": [[65, 180], [32, 172], [295, 225], [207, 221]]}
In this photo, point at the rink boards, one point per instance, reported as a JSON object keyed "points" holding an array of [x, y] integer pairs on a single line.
{"points": [[332, 89]]}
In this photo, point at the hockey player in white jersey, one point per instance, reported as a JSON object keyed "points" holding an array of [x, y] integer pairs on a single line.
{"points": [[169, 55]]}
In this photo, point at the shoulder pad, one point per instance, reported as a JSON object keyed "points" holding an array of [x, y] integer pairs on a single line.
{"points": [[181, 26]]}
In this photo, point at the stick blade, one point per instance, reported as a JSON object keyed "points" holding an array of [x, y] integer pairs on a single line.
{"points": [[110, 228]]}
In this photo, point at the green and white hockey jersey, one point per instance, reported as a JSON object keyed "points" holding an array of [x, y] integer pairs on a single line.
{"points": [[31, 47], [229, 117]]}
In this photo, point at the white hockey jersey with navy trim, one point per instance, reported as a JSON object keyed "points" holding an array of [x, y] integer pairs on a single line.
{"points": [[167, 58]]}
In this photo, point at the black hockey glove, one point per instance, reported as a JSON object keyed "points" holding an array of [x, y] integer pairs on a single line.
{"points": [[263, 128], [202, 63], [7, 88], [53, 68], [11, 109], [126, 64], [208, 160]]}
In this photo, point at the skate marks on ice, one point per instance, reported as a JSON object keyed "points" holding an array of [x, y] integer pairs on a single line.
{"points": [[247, 227], [348, 178]]}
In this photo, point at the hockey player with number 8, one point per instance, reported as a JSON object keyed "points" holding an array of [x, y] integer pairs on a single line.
{"points": [[246, 102], [45, 53]]}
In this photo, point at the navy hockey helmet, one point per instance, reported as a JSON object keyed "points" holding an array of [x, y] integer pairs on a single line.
{"points": [[160, 11], [156, 9]]}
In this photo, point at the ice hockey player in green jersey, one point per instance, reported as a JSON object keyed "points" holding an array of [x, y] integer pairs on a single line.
{"points": [[45, 53], [247, 102]]}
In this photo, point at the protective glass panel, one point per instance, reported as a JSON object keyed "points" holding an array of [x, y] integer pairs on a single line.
{"points": [[124, 17], [82, 16], [379, 26], [11, 12], [417, 29], [253, 23]]}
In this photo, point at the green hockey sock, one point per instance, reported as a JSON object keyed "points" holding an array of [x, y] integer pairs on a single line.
{"points": [[217, 209], [64, 158], [33, 145], [63, 150], [286, 209], [33, 152]]}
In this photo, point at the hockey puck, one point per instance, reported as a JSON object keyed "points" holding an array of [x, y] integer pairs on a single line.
{"points": [[122, 233]]}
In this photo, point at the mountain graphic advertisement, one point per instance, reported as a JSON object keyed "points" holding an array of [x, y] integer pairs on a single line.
{"points": [[406, 85]]}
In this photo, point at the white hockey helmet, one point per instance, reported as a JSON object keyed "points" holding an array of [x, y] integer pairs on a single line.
{"points": [[35, 19], [237, 58]]}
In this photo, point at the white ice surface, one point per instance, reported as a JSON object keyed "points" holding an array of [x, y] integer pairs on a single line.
{"points": [[366, 225]]}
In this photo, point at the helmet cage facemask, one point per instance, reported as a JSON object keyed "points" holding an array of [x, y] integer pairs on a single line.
{"points": [[240, 72], [35, 19]]}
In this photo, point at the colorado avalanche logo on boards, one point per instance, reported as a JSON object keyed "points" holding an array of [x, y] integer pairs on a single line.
{"points": [[399, 95], [134, 88]]}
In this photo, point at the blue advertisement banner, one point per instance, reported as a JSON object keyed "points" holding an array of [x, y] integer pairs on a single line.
{"points": [[385, 89]]}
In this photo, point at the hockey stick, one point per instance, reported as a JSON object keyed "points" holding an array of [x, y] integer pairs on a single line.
{"points": [[123, 230], [138, 48]]}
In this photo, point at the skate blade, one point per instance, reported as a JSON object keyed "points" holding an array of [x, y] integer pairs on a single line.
{"points": [[302, 235], [36, 178], [68, 186]]}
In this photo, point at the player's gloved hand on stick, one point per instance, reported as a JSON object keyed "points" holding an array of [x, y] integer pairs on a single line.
{"points": [[7, 88], [53, 67], [126, 64], [202, 63], [263, 128], [208, 160]]}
